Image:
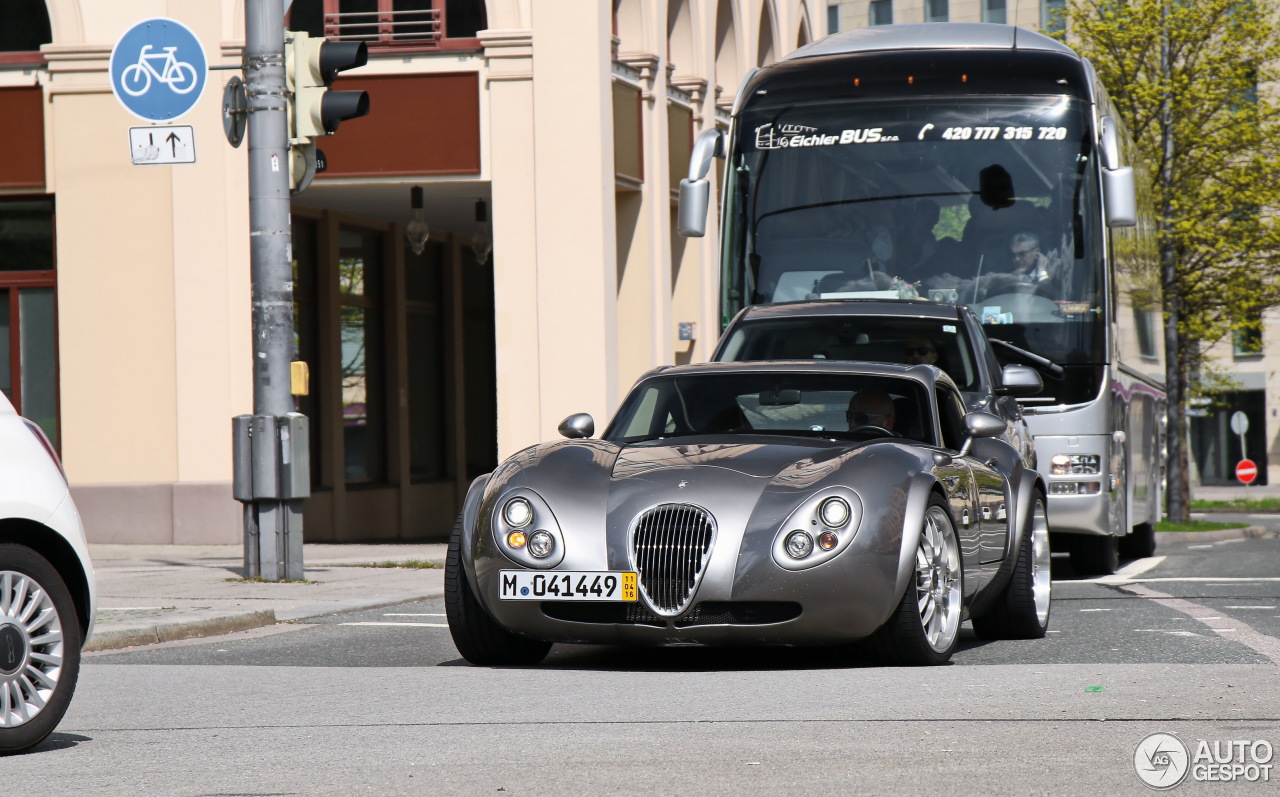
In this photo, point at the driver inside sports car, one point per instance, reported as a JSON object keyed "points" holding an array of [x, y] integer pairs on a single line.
{"points": [[871, 407]]}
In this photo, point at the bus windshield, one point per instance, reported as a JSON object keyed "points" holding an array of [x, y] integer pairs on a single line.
{"points": [[989, 201]]}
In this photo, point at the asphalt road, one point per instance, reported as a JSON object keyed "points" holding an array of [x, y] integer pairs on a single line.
{"points": [[379, 703]]}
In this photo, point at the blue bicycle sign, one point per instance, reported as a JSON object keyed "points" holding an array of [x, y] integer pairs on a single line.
{"points": [[158, 69]]}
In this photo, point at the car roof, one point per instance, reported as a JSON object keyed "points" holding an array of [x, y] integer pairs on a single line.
{"points": [[859, 307], [920, 373]]}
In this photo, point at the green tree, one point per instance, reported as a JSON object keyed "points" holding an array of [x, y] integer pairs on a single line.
{"points": [[1194, 80]]}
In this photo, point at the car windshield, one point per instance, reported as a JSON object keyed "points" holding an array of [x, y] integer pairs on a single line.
{"points": [[845, 406], [874, 338]]}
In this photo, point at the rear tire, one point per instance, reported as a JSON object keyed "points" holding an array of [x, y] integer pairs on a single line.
{"points": [[37, 616], [1140, 543], [923, 629], [1095, 555], [477, 635], [1022, 611]]}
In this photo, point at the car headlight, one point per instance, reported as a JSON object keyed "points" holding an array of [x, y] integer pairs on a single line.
{"points": [[526, 530], [799, 544], [541, 544], [834, 512], [517, 513], [821, 526]]}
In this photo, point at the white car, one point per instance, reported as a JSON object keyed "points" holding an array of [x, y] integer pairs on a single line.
{"points": [[47, 600]]}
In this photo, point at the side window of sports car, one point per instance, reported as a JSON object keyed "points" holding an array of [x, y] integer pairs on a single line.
{"points": [[641, 421], [951, 417]]}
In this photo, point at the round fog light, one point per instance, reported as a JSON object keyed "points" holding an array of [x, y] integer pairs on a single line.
{"points": [[799, 544], [517, 512], [834, 512], [827, 540], [516, 539], [541, 544]]}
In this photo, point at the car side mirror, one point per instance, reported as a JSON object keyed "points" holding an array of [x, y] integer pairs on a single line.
{"points": [[981, 424], [578, 426], [1020, 380]]}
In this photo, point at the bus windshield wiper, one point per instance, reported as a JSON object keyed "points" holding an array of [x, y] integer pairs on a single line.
{"points": [[1036, 359]]}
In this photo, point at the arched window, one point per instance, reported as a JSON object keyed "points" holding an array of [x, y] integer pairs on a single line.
{"points": [[764, 50], [680, 37], [24, 27], [728, 70]]}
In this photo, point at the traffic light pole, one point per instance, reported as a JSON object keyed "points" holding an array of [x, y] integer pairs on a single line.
{"points": [[272, 519]]}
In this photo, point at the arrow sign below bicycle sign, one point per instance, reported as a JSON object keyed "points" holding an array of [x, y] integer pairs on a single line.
{"points": [[158, 69], [158, 145]]}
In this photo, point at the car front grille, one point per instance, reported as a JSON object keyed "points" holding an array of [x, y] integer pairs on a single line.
{"points": [[670, 546]]}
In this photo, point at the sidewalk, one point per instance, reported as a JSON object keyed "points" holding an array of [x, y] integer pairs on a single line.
{"points": [[159, 593], [1234, 492]]}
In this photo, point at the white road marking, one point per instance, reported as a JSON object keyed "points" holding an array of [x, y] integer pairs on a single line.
{"points": [[412, 614], [1245, 634], [1095, 610], [1251, 607], [1224, 581], [414, 625], [1129, 572], [1199, 547], [1174, 632]]}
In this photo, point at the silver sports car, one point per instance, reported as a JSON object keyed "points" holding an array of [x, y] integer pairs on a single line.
{"points": [[797, 503]]}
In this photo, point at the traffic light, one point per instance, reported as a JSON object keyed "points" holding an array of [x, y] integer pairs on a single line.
{"points": [[312, 64]]}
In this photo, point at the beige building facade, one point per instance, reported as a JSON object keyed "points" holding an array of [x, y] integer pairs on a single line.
{"points": [[548, 138]]}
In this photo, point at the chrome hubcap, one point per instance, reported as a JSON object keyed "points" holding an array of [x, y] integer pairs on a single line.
{"points": [[1040, 581], [31, 648], [938, 580]]}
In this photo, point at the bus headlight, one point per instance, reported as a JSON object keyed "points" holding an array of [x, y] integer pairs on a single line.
{"points": [[1072, 464]]}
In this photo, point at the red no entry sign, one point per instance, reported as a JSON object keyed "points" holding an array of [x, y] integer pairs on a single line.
{"points": [[1246, 471]]}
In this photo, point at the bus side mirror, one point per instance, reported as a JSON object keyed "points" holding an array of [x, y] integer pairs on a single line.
{"points": [[695, 190], [1118, 188], [1121, 196]]}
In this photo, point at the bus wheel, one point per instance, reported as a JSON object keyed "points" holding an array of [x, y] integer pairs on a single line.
{"points": [[1140, 543], [1095, 555]]}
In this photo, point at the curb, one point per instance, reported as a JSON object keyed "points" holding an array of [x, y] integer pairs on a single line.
{"points": [[1246, 533], [116, 638]]}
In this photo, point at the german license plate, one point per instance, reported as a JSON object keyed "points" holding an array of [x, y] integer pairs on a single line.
{"points": [[568, 585]]}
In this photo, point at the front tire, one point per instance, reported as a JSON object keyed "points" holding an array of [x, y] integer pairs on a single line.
{"points": [[39, 648], [478, 636], [924, 627], [1022, 611]]}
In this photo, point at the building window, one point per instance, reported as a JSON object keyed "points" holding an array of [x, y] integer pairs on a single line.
{"points": [[937, 11], [881, 12], [1247, 342], [416, 24], [28, 312], [993, 11], [25, 29], [1053, 15], [1144, 322], [833, 19], [360, 357]]}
